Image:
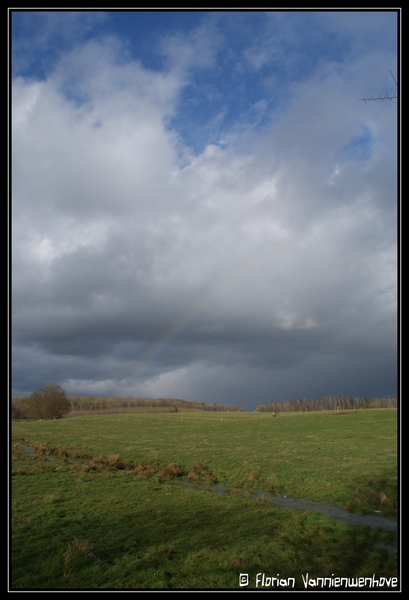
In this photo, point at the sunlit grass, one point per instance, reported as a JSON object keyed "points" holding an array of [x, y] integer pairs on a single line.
{"points": [[349, 460]]}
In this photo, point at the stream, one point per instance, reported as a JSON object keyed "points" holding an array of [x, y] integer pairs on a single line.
{"points": [[334, 512]]}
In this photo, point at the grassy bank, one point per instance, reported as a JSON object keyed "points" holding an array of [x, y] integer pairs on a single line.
{"points": [[104, 523]]}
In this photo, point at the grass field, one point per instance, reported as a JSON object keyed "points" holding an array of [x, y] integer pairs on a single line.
{"points": [[119, 518]]}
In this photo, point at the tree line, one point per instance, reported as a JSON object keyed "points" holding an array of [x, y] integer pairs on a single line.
{"points": [[52, 402], [327, 403], [100, 403]]}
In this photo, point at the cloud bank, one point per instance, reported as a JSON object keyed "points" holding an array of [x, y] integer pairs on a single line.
{"points": [[218, 226]]}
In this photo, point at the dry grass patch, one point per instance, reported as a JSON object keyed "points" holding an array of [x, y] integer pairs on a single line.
{"points": [[106, 463], [144, 471], [253, 477], [170, 472], [41, 449], [61, 451], [201, 472], [273, 484], [77, 549]]}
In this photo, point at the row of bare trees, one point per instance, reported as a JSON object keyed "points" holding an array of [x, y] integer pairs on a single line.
{"points": [[90, 403], [52, 402], [39, 406], [327, 403]]}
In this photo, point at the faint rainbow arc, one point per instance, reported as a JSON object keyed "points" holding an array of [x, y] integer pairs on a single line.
{"points": [[175, 328], [171, 332]]}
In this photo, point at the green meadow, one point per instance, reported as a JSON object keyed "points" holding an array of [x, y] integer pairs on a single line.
{"points": [[119, 518]]}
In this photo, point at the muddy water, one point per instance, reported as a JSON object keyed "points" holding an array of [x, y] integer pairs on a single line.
{"points": [[31, 452], [334, 512], [28, 449]]}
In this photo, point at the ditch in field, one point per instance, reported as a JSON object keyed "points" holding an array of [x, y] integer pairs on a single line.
{"points": [[334, 512]]}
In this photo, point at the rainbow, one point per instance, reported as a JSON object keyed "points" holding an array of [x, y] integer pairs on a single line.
{"points": [[184, 320], [172, 331], [178, 325]]}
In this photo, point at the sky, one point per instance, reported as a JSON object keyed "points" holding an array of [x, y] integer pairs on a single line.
{"points": [[202, 205]]}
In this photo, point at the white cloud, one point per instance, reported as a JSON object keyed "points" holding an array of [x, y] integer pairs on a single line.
{"points": [[196, 50]]}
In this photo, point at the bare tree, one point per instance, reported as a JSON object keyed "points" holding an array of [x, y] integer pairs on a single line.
{"points": [[50, 402], [386, 96]]}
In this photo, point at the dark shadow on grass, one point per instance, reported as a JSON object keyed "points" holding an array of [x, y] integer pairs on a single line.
{"points": [[201, 540], [375, 494]]}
